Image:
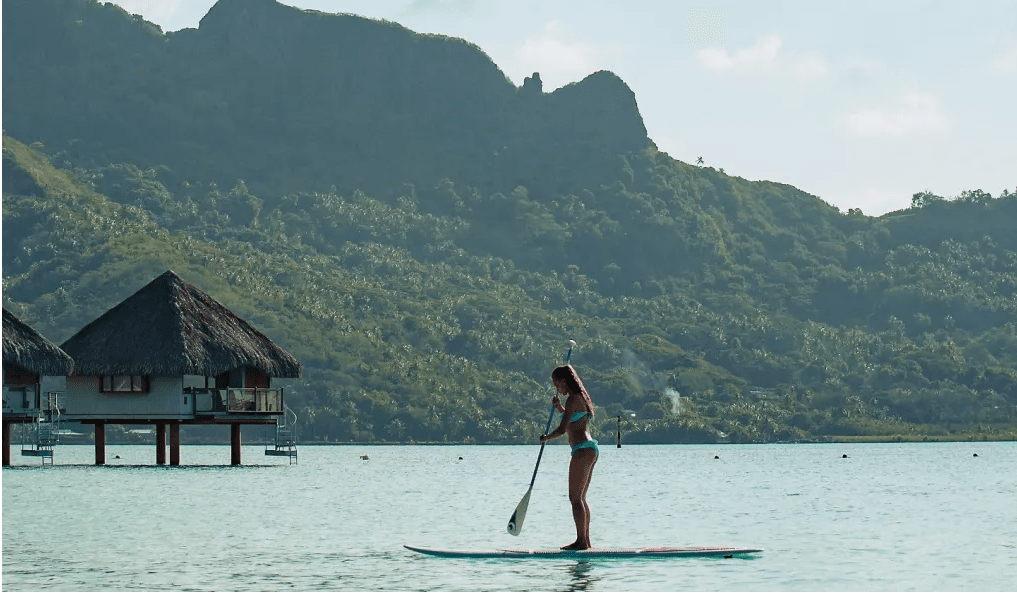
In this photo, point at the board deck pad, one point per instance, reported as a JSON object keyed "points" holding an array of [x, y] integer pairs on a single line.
{"points": [[622, 552]]}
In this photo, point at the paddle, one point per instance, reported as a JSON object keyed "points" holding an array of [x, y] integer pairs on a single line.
{"points": [[515, 525]]}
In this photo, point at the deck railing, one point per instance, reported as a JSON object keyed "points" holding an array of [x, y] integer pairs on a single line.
{"points": [[237, 400], [27, 400], [21, 399]]}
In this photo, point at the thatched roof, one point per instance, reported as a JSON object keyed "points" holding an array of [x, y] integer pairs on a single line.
{"points": [[26, 348], [171, 328]]}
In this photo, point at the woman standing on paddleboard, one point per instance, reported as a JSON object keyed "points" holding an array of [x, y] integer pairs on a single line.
{"points": [[577, 413]]}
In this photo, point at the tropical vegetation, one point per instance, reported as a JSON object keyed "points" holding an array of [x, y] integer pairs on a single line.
{"points": [[430, 280]]}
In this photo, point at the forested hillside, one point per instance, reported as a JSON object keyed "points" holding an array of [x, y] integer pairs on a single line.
{"points": [[428, 263]]}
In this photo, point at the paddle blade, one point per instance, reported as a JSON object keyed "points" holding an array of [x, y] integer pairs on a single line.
{"points": [[515, 525]]}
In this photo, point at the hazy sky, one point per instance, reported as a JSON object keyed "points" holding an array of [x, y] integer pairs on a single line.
{"points": [[862, 103]]}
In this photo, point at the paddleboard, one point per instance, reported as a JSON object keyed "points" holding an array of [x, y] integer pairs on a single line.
{"points": [[588, 553]]}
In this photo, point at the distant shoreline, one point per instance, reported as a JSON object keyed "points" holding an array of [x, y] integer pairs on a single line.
{"points": [[921, 438], [842, 439]]}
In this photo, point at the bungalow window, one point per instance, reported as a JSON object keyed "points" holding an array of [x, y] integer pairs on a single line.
{"points": [[124, 383]]}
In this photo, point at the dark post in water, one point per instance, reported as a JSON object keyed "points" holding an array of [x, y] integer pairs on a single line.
{"points": [[174, 429], [235, 444], [100, 444], [160, 443], [7, 444], [619, 430]]}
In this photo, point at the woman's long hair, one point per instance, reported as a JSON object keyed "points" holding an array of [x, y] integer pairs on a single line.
{"points": [[573, 384]]}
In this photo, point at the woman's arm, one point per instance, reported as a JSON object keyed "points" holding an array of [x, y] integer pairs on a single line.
{"points": [[560, 430]]}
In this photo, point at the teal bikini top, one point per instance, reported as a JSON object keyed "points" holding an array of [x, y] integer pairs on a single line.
{"points": [[578, 415]]}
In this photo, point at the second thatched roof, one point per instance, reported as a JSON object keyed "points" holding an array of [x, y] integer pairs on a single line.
{"points": [[26, 348], [171, 328]]}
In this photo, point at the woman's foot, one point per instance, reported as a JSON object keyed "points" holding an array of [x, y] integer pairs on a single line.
{"points": [[576, 546]]}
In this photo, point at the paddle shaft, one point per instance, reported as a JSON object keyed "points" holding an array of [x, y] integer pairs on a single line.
{"points": [[550, 417], [547, 428]]}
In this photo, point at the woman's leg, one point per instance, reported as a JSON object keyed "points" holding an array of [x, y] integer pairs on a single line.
{"points": [[580, 473], [586, 506]]}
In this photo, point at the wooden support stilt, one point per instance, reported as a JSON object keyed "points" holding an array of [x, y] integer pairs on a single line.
{"points": [[7, 444], [235, 444], [160, 443], [174, 444], [100, 444]]}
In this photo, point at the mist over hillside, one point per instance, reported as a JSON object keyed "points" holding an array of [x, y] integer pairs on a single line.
{"points": [[425, 237]]}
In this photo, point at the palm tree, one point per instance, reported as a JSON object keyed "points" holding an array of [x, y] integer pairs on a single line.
{"points": [[699, 161]]}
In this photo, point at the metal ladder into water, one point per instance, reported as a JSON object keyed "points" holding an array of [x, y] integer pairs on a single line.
{"points": [[285, 436], [44, 433]]}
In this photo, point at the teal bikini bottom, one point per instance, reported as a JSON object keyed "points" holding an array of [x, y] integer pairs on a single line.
{"points": [[592, 444]]}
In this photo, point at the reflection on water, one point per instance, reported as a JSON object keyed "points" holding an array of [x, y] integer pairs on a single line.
{"points": [[582, 577]]}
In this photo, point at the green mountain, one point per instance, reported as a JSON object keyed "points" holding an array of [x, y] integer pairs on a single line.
{"points": [[425, 238], [293, 100]]}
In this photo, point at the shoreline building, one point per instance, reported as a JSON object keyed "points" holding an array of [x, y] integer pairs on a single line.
{"points": [[170, 355], [35, 374]]}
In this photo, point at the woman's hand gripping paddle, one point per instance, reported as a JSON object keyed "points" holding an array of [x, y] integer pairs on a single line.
{"points": [[515, 525]]}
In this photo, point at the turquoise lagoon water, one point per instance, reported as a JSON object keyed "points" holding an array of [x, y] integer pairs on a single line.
{"points": [[929, 517]]}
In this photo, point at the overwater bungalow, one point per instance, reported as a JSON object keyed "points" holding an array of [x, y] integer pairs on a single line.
{"points": [[35, 374], [171, 355]]}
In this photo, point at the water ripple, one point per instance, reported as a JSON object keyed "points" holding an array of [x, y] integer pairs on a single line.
{"points": [[336, 522]]}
